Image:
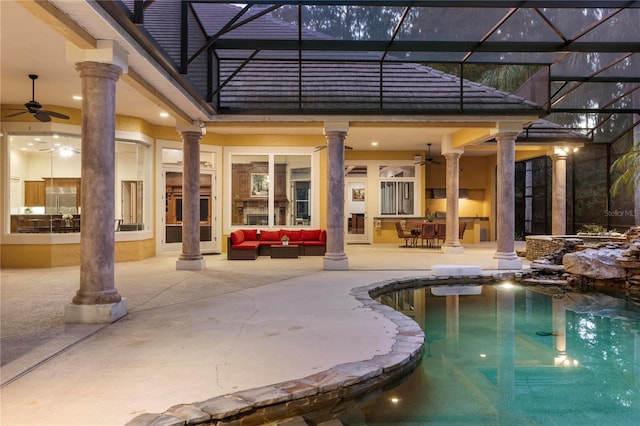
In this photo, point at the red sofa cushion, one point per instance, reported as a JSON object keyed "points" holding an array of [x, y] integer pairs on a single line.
{"points": [[237, 237], [269, 235], [310, 235], [246, 245], [250, 234], [323, 235], [293, 235]]}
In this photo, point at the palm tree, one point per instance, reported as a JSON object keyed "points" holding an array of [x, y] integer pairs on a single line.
{"points": [[628, 165]]}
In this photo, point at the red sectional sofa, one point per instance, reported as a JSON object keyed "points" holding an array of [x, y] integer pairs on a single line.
{"points": [[248, 244]]}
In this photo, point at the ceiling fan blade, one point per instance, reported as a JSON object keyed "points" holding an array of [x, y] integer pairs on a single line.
{"points": [[42, 116], [56, 114], [16, 114]]}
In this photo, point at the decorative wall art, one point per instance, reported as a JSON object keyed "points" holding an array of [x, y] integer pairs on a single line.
{"points": [[357, 194], [259, 184]]}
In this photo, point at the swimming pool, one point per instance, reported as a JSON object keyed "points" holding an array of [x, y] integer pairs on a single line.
{"points": [[514, 355]]}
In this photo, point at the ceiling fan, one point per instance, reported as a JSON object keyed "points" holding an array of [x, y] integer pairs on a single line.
{"points": [[318, 148], [34, 107], [64, 150], [428, 158]]}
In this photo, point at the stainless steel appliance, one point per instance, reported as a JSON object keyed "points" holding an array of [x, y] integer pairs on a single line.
{"points": [[61, 200]]}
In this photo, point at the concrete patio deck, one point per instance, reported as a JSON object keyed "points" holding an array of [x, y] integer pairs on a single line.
{"points": [[193, 336]]}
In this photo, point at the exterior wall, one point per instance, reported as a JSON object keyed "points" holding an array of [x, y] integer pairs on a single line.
{"points": [[54, 255], [64, 250], [477, 176]]}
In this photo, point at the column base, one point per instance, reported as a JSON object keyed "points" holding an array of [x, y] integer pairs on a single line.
{"points": [[452, 249], [95, 314], [191, 265], [335, 262], [507, 261]]}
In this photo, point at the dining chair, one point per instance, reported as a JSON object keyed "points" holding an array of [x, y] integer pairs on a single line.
{"points": [[402, 234], [461, 228], [428, 233], [441, 232]]}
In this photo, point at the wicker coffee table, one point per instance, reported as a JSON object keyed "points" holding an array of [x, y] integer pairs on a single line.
{"points": [[284, 252]]}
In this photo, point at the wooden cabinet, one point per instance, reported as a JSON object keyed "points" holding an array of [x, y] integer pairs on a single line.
{"points": [[34, 193], [35, 190]]}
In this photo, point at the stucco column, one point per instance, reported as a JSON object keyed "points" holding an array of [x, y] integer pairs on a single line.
{"points": [[191, 258], [505, 217], [335, 257], [452, 243], [559, 194], [97, 244]]}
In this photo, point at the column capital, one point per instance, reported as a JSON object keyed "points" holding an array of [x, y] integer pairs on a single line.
{"points": [[195, 126], [336, 127], [506, 136], [507, 127], [452, 155], [106, 52], [98, 69]]}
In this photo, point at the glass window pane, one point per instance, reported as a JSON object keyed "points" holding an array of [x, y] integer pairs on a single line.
{"points": [[287, 193], [405, 203], [292, 190], [250, 190], [45, 192], [397, 171], [46, 188], [387, 198]]}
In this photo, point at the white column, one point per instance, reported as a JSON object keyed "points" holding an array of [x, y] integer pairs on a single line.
{"points": [[505, 220], [191, 258], [559, 193], [97, 243], [335, 257], [452, 155]]}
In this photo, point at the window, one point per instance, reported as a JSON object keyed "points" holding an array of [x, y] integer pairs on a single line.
{"points": [[397, 184], [270, 190], [46, 183]]}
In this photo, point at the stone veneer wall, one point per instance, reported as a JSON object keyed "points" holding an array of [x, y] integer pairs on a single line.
{"points": [[538, 246]]}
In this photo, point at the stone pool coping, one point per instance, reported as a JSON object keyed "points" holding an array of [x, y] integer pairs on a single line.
{"points": [[342, 382]]}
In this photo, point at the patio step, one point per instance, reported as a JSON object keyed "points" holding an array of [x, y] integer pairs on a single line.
{"points": [[457, 270]]}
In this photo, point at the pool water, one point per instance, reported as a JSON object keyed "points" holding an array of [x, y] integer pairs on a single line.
{"points": [[512, 355]]}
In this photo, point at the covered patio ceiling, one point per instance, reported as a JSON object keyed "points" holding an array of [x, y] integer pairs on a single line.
{"points": [[576, 62]]}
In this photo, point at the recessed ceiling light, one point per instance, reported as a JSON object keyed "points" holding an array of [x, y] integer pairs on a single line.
{"points": [[374, 143], [77, 98], [30, 144], [37, 139], [164, 114]]}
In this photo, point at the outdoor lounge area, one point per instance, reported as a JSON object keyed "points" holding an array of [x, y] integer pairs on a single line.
{"points": [[147, 146], [248, 244]]}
